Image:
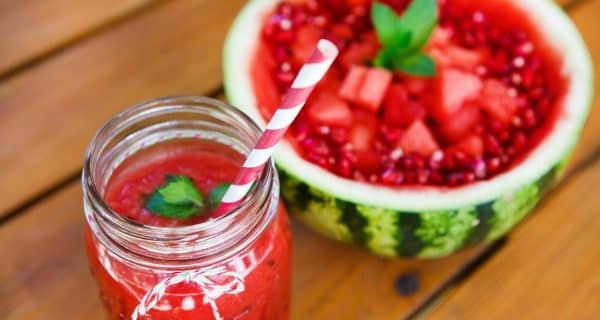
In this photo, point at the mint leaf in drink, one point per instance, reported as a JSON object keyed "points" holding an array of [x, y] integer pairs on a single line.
{"points": [[178, 198], [404, 37], [217, 194]]}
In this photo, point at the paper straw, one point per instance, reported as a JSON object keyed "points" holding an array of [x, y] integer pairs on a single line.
{"points": [[306, 80]]}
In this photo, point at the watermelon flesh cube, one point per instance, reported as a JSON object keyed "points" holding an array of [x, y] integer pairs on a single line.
{"points": [[497, 101], [418, 139], [363, 131], [372, 92], [464, 59], [399, 109], [329, 109], [454, 89], [472, 145], [461, 123], [352, 82]]}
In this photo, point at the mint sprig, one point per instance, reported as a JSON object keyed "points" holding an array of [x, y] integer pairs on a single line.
{"points": [[404, 37], [217, 194], [178, 198]]}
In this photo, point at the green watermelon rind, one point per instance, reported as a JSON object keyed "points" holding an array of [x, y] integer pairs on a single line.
{"points": [[394, 233]]}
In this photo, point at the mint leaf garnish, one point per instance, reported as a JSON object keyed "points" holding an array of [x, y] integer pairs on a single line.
{"points": [[178, 198], [217, 194], [403, 38], [418, 63]]}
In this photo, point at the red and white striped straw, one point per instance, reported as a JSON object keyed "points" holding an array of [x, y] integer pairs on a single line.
{"points": [[311, 73]]}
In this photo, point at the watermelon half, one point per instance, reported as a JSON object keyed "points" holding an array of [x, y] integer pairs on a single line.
{"points": [[421, 222]]}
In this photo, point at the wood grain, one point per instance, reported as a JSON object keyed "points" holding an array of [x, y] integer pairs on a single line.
{"points": [[547, 270], [44, 272], [586, 16], [30, 29], [48, 276], [49, 113]]}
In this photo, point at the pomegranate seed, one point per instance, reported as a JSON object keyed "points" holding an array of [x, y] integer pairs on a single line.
{"points": [[285, 9], [492, 145], [423, 176], [469, 177], [479, 168], [391, 176], [282, 54], [519, 140], [285, 78], [529, 118], [408, 161], [493, 165], [339, 135], [345, 168], [396, 154]]}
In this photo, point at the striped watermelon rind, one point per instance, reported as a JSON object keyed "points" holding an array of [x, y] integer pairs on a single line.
{"points": [[393, 233]]}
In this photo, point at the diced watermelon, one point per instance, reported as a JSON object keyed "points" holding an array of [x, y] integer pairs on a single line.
{"points": [[418, 139], [497, 101], [457, 57], [363, 131], [372, 92], [305, 42], [454, 88], [439, 38], [399, 109], [464, 59], [416, 86], [358, 53], [328, 108], [460, 124], [472, 145], [331, 81], [353, 82]]}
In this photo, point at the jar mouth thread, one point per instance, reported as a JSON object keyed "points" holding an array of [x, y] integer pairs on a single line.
{"points": [[132, 130]]}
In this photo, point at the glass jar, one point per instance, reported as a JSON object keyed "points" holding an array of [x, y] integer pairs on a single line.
{"points": [[234, 267]]}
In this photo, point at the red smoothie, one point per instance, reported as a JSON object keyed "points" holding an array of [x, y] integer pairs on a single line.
{"points": [[264, 265]]}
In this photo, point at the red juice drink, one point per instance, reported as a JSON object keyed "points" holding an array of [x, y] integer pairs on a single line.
{"points": [[156, 256]]}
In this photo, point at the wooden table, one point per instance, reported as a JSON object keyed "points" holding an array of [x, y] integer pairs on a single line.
{"points": [[66, 66]]}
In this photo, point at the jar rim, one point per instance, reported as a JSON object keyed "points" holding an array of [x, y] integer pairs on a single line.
{"points": [[120, 225]]}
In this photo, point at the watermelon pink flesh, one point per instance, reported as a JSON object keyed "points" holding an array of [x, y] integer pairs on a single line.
{"points": [[328, 108], [472, 145], [460, 124], [363, 131], [372, 92], [352, 82], [418, 139], [497, 101], [399, 109], [454, 88]]}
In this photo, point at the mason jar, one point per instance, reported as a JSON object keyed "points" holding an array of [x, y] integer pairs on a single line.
{"points": [[233, 267]]}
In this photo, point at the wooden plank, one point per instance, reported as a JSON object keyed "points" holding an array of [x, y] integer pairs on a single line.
{"points": [[587, 18], [547, 270], [30, 29], [47, 277], [49, 113], [40, 278]]}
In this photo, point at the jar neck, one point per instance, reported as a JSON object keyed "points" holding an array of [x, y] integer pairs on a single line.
{"points": [[167, 119]]}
